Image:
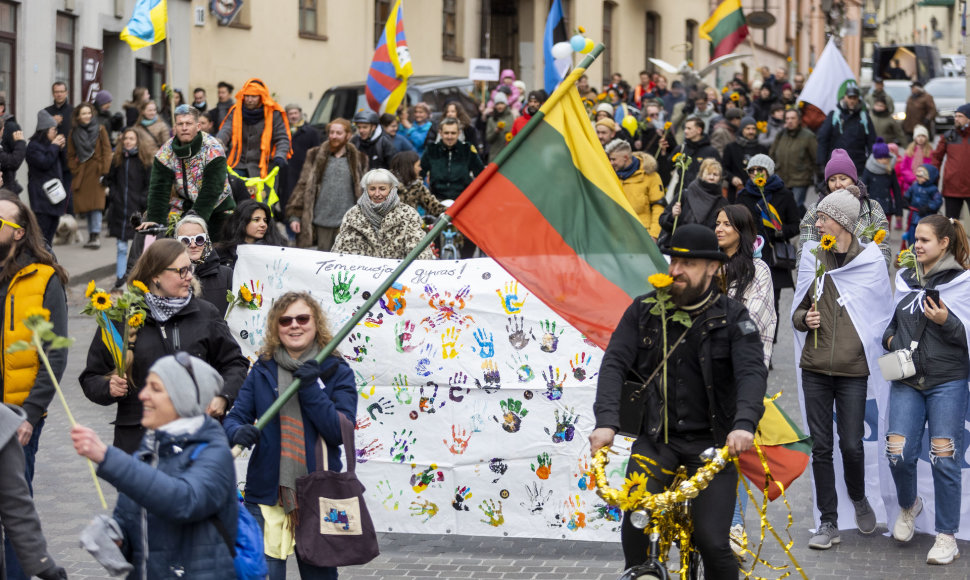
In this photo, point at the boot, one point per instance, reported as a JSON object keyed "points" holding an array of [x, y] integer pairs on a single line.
{"points": [[94, 242]]}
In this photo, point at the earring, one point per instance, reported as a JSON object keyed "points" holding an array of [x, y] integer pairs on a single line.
{"points": [[157, 285]]}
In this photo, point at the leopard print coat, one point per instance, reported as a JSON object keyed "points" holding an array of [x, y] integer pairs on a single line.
{"points": [[399, 233]]}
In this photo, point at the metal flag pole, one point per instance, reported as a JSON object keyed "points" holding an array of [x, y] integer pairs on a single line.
{"points": [[169, 65]]}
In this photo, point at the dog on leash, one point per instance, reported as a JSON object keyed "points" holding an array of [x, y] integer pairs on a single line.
{"points": [[67, 233]]}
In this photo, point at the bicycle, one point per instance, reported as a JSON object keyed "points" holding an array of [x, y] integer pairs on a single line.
{"points": [[665, 517]]}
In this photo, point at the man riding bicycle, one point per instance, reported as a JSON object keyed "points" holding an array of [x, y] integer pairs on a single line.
{"points": [[716, 381]]}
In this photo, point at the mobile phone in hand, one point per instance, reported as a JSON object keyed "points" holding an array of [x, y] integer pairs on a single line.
{"points": [[934, 295]]}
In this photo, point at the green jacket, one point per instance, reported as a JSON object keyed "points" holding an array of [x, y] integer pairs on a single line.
{"points": [[451, 169], [198, 172], [794, 156], [888, 128]]}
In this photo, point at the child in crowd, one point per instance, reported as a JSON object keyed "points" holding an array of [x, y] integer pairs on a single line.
{"points": [[923, 198]]}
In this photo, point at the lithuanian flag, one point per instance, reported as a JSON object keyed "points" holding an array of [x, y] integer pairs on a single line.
{"points": [[786, 450], [551, 210], [725, 29]]}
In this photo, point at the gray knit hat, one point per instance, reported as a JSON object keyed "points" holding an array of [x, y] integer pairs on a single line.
{"points": [[45, 121], [747, 121], [189, 396], [841, 206], [762, 160]]}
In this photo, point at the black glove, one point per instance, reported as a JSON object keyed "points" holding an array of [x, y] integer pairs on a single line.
{"points": [[924, 210], [55, 572], [308, 372], [246, 436], [779, 235], [278, 162]]}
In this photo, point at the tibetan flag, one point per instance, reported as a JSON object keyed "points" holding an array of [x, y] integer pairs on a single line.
{"points": [[725, 29], [551, 211], [554, 69], [786, 450], [387, 79], [147, 24]]}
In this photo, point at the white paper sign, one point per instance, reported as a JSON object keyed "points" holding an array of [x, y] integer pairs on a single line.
{"points": [[483, 69]]}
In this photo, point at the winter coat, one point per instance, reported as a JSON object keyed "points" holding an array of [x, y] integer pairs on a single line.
{"points": [[735, 162], [687, 213], [847, 129], [86, 189], [955, 147], [127, 195], [645, 192], [840, 352], [417, 135], [761, 108], [871, 97], [883, 186], [43, 164], [783, 201], [794, 154], [12, 155], [417, 195], [216, 280], [906, 169], [450, 169], [335, 392], [251, 141], [887, 127], [399, 233], [153, 136], [920, 110], [176, 499], [21, 523], [197, 329], [945, 344], [698, 151], [731, 364], [924, 199], [495, 136], [378, 150], [772, 130], [197, 171], [720, 139], [870, 214], [303, 138], [304, 196]]}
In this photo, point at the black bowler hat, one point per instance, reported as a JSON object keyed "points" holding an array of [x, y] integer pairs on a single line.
{"points": [[695, 241]]}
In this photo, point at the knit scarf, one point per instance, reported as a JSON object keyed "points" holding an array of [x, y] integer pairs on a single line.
{"points": [[85, 138], [255, 87], [148, 122], [629, 170], [163, 308], [292, 437], [375, 212]]}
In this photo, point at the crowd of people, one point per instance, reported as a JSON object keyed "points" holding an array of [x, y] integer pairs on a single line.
{"points": [[719, 178]]}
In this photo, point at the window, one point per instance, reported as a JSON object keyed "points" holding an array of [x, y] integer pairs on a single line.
{"points": [[652, 40], [312, 19], [449, 29], [8, 48], [382, 10], [608, 42], [691, 38], [64, 53]]}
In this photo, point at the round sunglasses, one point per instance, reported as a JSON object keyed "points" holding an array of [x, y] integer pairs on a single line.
{"points": [[196, 240]]}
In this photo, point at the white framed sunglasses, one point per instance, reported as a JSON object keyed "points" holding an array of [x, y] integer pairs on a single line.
{"points": [[196, 240]]}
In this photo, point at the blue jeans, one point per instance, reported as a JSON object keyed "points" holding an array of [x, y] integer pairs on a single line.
{"points": [[848, 396], [799, 192], [945, 407], [13, 569], [94, 221], [121, 265], [277, 567]]}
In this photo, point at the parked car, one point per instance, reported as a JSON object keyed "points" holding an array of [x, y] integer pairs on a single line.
{"points": [[949, 93], [898, 91], [954, 65], [345, 100]]}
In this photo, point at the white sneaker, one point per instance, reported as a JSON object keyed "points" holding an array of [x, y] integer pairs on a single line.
{"points": [[944, 550], [739, 540], [905, 525]]}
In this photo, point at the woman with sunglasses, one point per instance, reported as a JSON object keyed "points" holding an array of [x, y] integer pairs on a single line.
{"points": [[178, 493], [177, 320], [250, 223], [215, 278], [296, 330]]}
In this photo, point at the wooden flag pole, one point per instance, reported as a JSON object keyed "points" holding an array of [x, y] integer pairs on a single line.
{"points": [[169, 65]]}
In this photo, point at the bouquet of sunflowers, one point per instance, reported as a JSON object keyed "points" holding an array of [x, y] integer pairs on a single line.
{"points": [[248, 296], [128, 310]]}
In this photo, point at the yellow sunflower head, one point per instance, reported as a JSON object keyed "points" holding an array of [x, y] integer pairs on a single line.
{"points": [[677, 156], [90, 289], [660, 280], [140, 286], [245, 294], [508, 137], [667, 125], [38, 311], [136, 320], [760, 181], [828, 242], [724, 90], [101, 301], [735, 97], [500, 124], [879, 237], [582, 30]]}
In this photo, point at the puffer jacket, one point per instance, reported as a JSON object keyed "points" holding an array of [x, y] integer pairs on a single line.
{"points": [[925, 198], [44, 164], [176, 500], [399, 233], [945, 344], [127, 194], [320, 404], [840, 352], [645, 192], [883, 186], [794, 154]]}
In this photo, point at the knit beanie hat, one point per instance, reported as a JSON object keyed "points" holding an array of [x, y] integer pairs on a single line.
{"points": [[880, 150], [605, 108], [964, 110], [102, 98], [841, 206], [181, 387], [762, 160], [500, 98], [745, 121], [920, 130], [734, 113], [45, 121], [608, 123], [840, 162]]}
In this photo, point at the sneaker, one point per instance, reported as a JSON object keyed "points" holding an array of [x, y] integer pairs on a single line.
{"points": [[739, 540], [119, 284], [944, 550], [905, 525], [865, 518], [826, 535], [94, 242]]}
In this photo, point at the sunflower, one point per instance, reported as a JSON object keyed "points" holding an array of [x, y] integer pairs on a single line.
{"points": [[735, 97], [90, 289], [667, 125], [136, 320], [760, 181], [38, 311], [827, 243], [677, 156], [879, 237], [660, 280], [762, 126], [140, 286], [245, 294], [634, 488], [581, 30], [724, 90], [101, 301], [500, 124]]}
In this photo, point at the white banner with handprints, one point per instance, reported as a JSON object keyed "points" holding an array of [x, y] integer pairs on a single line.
{"points": [[475, 398]]}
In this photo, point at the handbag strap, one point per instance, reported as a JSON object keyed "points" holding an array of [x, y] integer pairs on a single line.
{"points": [[639, 391], [914, 342], [350, 453]]}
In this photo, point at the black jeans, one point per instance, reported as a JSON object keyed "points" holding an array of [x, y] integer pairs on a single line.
{"points": [[952, 206], [711, 510], [848, 395]]}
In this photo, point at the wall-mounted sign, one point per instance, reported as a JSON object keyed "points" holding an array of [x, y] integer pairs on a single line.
{"points": [[225, 10]]}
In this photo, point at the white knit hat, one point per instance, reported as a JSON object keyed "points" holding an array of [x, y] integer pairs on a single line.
{"points": [[841, 206]]}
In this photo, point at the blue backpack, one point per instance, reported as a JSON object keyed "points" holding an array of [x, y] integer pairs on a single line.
{"points": [[247, 553]]}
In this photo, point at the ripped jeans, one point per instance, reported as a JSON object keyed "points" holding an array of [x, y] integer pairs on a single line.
{"points": [[945, 407]]}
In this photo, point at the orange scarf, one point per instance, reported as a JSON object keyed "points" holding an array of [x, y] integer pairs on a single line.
{"points": [[256, 88]]}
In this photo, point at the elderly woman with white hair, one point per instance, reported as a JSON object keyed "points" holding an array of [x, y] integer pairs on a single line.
{"points": [[380, 225], [214, 277]]}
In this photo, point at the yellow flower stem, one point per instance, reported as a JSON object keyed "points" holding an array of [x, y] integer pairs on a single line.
{"points": [[43, 357], [680, 192], [662, 300], [814, 294], [662, 137]]}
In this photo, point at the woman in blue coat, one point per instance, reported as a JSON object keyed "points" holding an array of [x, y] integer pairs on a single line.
{"points": [[43, 165], [179, 487], [296, 331]]}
